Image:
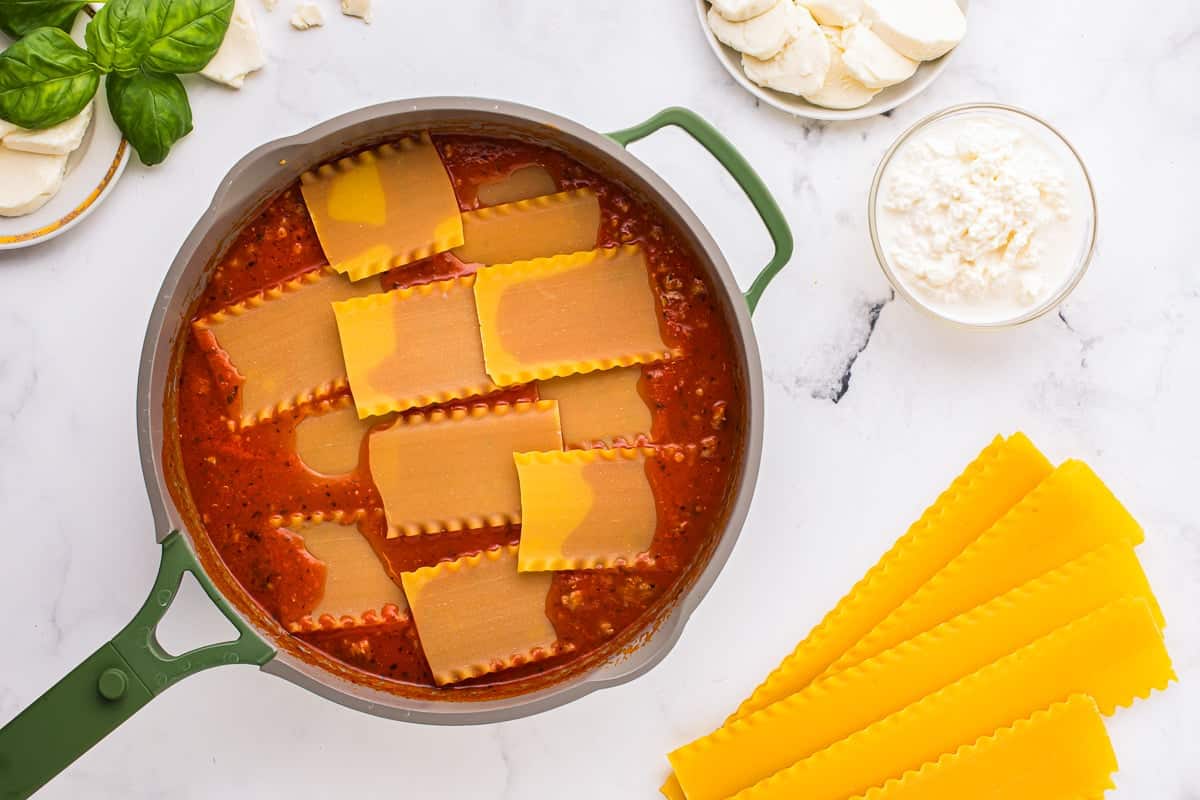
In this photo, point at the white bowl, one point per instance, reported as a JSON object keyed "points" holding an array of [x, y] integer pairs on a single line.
{"points": [[886, 100], [92, 171]]}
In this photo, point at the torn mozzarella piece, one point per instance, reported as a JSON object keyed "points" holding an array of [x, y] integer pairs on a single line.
{"points": [[761, 37], [872, 61], [28, 180], [919, 29], [841, 90], [60, 140], [741, 10], [800, 66], [240, 53], [357, 8], [307, 15], [838, 13]]}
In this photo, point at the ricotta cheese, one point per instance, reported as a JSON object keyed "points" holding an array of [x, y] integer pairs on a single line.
{"points": [[977, 218], [800, 67], [919, 29], [307, 15], [357, 8], [872, 61], [761, 37], [741, 10], [28, 180], [240, 53], [63, 139]]}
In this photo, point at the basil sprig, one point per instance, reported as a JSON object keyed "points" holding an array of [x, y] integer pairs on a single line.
{"points": [[138, 46]]}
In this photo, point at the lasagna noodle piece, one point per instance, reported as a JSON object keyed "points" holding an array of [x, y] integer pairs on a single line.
{"points": [[522, 183], [453, 470], [1061, 751], [1070, 513], [558, 316], [567, 222], [584, 509], [832, 708], [478, 615], [1006, 470], [284, 342], [330, 442], [412, 347], [383, 208], [602, 406], [355, 580], [1115, 655]]}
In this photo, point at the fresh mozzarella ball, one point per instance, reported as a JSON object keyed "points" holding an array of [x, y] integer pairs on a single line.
{"points": [[741, 10], [841, 90], [761, 37], [838, 13], [919, 29], [800, 66], [872, 61]]}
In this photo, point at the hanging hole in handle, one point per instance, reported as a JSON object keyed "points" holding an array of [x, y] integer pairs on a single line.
{"points": [[715, 197], [192, 621]]}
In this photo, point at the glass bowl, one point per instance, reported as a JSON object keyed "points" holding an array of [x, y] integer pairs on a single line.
{"points": [[1069, 160]]}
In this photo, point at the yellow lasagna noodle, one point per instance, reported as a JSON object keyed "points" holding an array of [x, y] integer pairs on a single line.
{"points": [[602, 406], [478, 615], [1060, 752], [412, 347], [584, 509], [283, 342], [1115, 655], [834, 707], [383, 208], [522, 183], [451, 470], [1001, 475], [1070, 513], [558, 316], [566, 222], [355, 580], [329, 442]]}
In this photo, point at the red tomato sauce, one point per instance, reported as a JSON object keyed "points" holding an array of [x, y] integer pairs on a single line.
{"points": [[240, 479]]}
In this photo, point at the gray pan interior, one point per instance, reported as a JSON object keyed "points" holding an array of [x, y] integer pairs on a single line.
{"points": [[271, 168]]}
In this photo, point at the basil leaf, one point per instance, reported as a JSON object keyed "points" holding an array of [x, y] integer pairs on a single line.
{"points": [[120, 34], [187, 34], [45, 79], [19, 17], [151, 110]]}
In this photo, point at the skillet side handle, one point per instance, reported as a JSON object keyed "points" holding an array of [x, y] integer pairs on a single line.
{"points": [[115, 681], [740, 170]]}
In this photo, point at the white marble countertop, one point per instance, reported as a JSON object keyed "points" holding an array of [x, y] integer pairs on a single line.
{"points": [[871, 407]]}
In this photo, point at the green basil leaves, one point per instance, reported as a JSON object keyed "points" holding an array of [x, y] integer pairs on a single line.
{"points": [[140, 45], [19, 17], [45, 79], [152, 111]]}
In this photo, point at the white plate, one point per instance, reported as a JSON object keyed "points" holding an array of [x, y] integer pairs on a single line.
{"points": [[886, 100], [92, 171]]}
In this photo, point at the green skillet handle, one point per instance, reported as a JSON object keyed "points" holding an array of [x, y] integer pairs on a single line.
{"points": [[115, 681], [740, 170]]}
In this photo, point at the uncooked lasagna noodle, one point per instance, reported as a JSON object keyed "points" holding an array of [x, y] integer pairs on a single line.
{"points": [[584, 509], [1062, 751], [997, 479], [558, 316], [1115, 655], [567, 222], [478, 615], [834, 707], [383, 208], [412, 347], [329, 438], [451, 470], [283, 342], [355, 580], [520, 184], [1070, 513], [602, 406]]}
